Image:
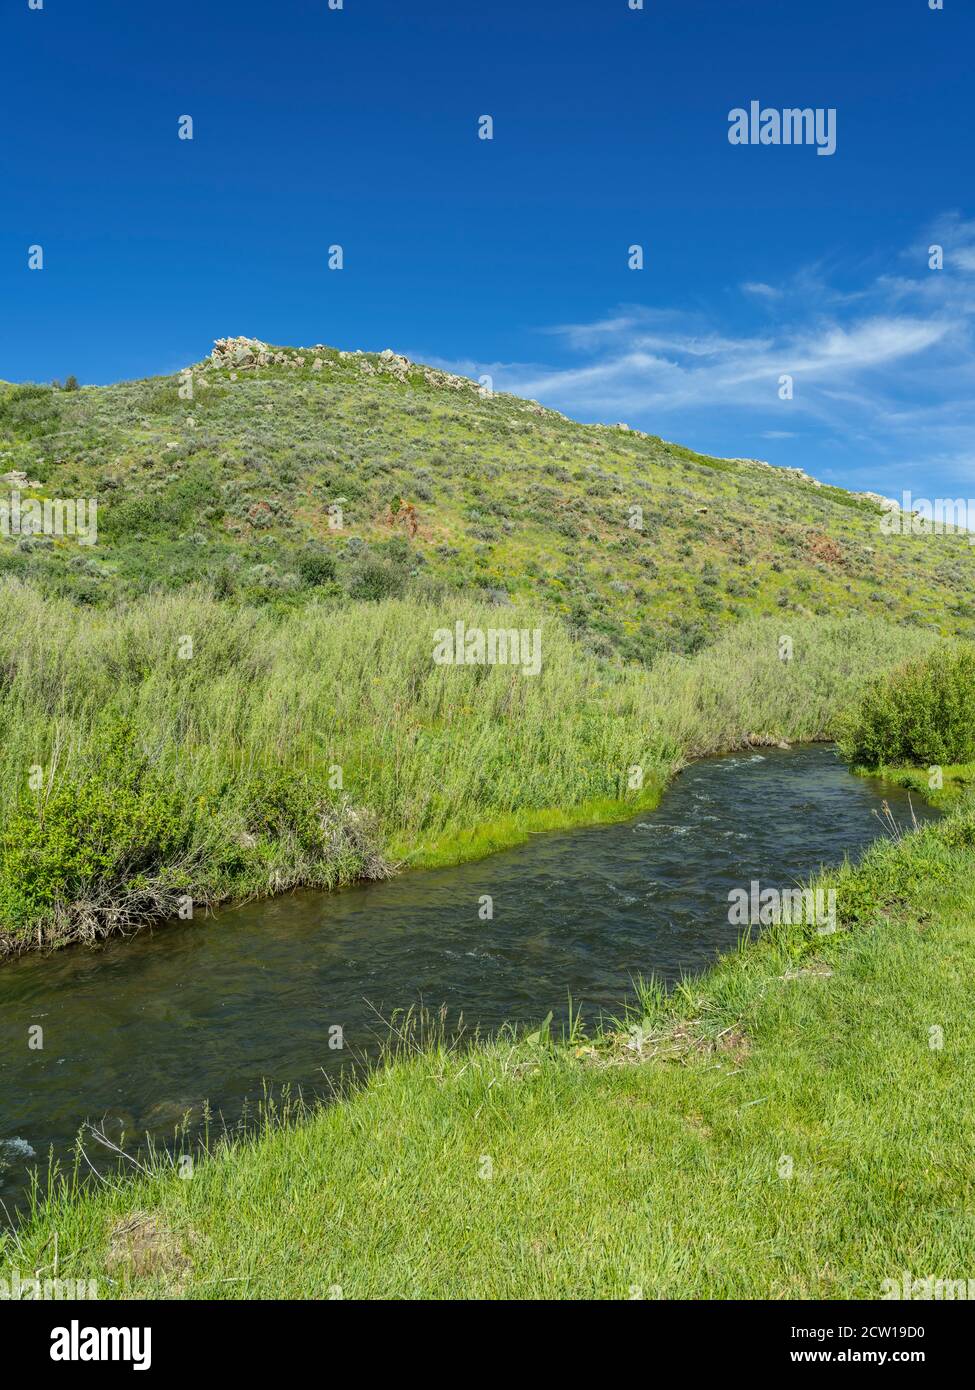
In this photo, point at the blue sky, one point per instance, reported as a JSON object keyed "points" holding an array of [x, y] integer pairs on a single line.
{"points": [[358, 127]]}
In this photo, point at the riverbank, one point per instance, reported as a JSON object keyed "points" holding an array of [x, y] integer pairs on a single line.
{"points": [[177, 753], [571, 915], [941, 786], [794, 1123]]}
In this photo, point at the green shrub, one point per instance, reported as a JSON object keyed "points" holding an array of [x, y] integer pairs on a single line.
{"points": [[178, 507], [89, 832], [28, 411], [923, 713], [224, 582], [286, 803], [316, 567], [375, 579]]}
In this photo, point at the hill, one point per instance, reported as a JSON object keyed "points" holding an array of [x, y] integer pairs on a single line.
{"points": [[289, 529], [282, 476]]}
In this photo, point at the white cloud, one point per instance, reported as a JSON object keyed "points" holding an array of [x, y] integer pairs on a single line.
{"points": [[884, 370]]}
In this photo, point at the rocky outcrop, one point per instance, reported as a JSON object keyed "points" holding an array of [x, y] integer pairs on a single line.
{"points": [[16, 480], [237, 353]]}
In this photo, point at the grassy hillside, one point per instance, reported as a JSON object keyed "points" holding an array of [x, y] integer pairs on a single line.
{"points": [[445, 489]]}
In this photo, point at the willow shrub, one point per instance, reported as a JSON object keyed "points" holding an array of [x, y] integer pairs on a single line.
{"points": [[65, 837], [922, 713]]}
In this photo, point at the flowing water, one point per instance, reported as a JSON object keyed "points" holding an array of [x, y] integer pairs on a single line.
{"points": [[139, 1032]]}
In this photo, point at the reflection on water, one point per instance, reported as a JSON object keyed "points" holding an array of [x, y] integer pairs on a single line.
{"points": [[142, 1031]]}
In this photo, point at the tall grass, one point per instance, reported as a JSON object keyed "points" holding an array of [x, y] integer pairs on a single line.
{"points": [[315, 746]]}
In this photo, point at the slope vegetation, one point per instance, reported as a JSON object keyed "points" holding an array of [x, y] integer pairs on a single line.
{"points": [[279, 476]]}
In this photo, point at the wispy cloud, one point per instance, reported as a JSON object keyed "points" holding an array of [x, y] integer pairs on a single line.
{"points": [[763, 291], [883, 367]]}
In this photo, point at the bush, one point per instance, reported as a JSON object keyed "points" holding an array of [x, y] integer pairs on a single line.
{"points": [[224, 583], [27, 412], [167, 513], [316, 567], [93, 832], [923, 713], [376, 579]]}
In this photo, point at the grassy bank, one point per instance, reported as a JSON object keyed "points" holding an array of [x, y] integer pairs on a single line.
{"points": [[184, 750], [793, 1124], [942, 788]]}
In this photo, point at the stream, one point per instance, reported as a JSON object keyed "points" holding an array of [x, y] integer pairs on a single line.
{"points": [[138, 1032]]}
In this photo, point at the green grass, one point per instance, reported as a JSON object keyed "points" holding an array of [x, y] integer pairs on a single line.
{"points": [[942, 786], [319, 745], [613, 1173], [455, 846]]}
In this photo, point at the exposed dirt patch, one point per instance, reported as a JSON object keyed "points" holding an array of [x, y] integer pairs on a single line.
{"points": [[824, 548], [697, 1125], [734, 1043], [143, 1247], [679, 1043]]}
